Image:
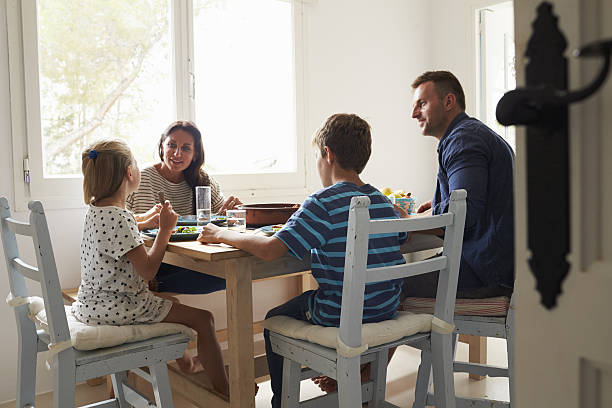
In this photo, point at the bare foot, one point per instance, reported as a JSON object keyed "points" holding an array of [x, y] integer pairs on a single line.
{"points": [[327, 384], [188, 364]]}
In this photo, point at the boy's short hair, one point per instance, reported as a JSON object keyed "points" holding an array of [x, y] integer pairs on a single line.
{"points": [[348, 136], [444, 82]]}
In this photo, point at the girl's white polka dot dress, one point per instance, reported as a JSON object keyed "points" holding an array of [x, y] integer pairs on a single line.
{"points": [[111, 291]]}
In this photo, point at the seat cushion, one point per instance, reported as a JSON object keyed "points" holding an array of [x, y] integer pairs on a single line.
{"points": [[87, 337], [372, 334], [496, 306]]}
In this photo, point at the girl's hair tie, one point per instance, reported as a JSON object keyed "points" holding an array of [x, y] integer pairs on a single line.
{"points": [[93, 154]]}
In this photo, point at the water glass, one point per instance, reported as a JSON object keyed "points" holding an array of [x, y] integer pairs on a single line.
{"points": [[236, 220], [203, 207]]}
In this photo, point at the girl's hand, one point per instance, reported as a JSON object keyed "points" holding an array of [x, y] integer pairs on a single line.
{"points": [[210, 234], [167, 217], [149, 223], [229, 204]]}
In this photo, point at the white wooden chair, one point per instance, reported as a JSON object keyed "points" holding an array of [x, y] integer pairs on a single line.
{"points": [[486, 326], [70, 365], [343, 362]]}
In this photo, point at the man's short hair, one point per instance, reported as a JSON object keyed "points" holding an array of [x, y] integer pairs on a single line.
{"points": [[348, 136], [444, 82]]}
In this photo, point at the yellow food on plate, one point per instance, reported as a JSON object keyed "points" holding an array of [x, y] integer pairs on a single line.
{"points": [[395, 194]]}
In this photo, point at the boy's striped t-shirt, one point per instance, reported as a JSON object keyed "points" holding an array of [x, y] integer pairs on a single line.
{"points": [[319, 227]]}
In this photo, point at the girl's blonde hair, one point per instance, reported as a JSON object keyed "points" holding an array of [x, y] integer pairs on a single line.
{"points": [[104, 164]]}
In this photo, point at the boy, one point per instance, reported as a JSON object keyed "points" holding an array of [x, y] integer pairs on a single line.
{"points": [[343, 146]]}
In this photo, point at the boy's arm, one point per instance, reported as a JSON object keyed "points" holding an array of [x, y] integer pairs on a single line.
{"points": [[266, 248]]}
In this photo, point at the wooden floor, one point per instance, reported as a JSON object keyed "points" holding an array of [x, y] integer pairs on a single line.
{"points": [[400, 386]]}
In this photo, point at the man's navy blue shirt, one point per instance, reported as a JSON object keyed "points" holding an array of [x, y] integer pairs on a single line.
{"points": [[473, 157]]}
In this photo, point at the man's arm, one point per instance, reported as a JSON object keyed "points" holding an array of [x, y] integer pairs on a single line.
{"points": [[266, 248], [467, 168]]}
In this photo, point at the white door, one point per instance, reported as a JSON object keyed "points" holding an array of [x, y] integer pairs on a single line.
{"points": [[564, 355]]}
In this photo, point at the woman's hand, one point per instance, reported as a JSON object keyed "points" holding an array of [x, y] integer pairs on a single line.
{"points": [[167, 217], [141, 218], [149, 223], [210, 234], [229, 204], [154, 210]]}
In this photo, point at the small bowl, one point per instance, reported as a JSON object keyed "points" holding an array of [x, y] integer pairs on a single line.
{"points": [[407, 204]]}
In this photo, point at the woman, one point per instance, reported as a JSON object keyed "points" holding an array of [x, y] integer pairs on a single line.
{"points": [[179, 172]]}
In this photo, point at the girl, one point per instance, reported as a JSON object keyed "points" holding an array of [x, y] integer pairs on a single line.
{"points": [[115, 264]]}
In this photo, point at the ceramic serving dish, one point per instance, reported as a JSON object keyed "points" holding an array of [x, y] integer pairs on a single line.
{"points": [[258, 215]]}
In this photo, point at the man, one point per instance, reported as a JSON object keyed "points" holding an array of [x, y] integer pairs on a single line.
{"points": [[472, 157]]}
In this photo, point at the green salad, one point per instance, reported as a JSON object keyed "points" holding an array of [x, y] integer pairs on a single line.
{"points": [[185, 230]]}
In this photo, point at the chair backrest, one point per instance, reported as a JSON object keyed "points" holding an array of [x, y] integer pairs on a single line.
{"points": [[45, 273], [356, 274]]}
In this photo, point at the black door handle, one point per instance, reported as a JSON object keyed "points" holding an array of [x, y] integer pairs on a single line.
{"points": [[534, 106]]}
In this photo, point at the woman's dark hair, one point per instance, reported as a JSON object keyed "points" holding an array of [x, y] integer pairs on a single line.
{"points": [[194, 174]]}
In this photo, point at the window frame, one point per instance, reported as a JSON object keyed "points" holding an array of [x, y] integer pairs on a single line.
{"points": [[66, 192], [478, 11]]}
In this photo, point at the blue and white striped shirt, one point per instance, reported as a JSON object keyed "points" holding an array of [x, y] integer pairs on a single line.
{"points": [[320, 227]]}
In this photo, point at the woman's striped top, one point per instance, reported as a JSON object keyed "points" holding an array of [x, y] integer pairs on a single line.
{"points": [[180, 195], [319, 228]]}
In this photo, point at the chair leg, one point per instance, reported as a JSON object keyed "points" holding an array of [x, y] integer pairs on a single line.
{"points": [[26, 371], [64, 380], [424, 377], [291, 384], [378, 375], [510, 351], [349, 382], [423, 381], [161, 385], [442, 363], [118, 379]]}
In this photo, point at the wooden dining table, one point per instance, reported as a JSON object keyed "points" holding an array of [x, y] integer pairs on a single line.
{"points": [[240, 269]]}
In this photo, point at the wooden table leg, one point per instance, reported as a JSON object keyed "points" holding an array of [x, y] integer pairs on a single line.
{"points": [[477, 351], [239, 298], [307, 283]]}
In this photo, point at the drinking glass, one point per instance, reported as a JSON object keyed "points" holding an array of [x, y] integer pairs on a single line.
{"points": [[236, 220], [203, 208]]}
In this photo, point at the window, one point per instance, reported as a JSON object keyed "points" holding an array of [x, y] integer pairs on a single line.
{"points": [[495, 63], [127, 69]]}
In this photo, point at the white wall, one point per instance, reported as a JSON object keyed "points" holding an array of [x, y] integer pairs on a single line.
{"points": [[360, 57]]}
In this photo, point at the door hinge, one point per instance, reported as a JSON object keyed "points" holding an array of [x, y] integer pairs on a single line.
{"points": [[26, 170]]}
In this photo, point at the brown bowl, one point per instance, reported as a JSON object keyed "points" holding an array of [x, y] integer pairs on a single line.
{"points": [[258, 215]]}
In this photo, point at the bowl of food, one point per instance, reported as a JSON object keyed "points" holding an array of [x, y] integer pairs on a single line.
{"points": [[407, 204], [258, 215], [402, 199]]}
